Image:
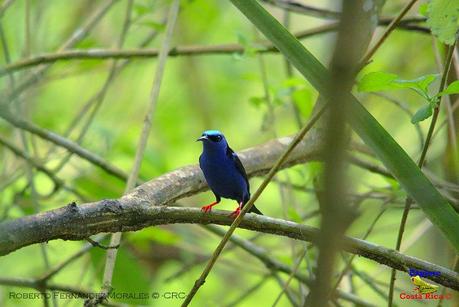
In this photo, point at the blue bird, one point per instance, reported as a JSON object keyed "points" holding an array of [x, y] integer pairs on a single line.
{"points": [[223, 171]]}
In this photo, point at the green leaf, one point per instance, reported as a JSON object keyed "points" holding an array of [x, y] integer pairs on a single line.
{"points": [[453, 88], [421, 83], [377, 81], [396, 160], [443, 19], [421, 114], [381, 81]]}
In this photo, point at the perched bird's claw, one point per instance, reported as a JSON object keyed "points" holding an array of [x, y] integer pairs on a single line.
{"points": [[206, 208], [235, 213]]}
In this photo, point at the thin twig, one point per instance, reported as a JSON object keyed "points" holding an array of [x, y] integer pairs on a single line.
{"points": [[288, 292], [40, 167], [273, 264], [368, 232], [299, 7], [131, 181], [98, 99], [19, 153], [290, 277], [97, 244], [76, 37], [391, 27], [249, 291], [62, 142], [58, 268], [146, 53], [34, 198]]}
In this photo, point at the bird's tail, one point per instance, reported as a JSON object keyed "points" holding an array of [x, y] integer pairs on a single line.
{"points": [[255, 210]]}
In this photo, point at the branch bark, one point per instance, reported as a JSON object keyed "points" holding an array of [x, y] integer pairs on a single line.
{"points": [[130, 213]]}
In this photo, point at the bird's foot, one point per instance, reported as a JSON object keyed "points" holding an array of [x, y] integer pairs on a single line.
{"points": [[236, 212], [208, 208]]}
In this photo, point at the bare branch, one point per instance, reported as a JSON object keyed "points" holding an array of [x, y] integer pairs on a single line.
{"points": [[298, 7], [129, 214], [102, 54]]}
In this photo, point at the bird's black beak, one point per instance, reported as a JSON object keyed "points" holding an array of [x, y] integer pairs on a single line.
{"points": [[202, 138]]}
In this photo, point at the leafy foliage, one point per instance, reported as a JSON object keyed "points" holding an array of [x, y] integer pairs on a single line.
{"points": [[382, 81]]}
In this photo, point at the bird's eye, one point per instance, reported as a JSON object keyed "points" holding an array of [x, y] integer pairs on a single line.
{"points": [[215, 138]]}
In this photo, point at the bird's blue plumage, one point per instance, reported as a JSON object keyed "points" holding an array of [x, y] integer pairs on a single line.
{"points": [[212, 132], [223, 170]]}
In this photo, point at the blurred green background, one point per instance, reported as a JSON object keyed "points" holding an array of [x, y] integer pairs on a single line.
{"points": [[224, 92]]}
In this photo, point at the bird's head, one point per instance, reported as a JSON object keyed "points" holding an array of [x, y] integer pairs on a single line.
{"points": [[213, 140]]}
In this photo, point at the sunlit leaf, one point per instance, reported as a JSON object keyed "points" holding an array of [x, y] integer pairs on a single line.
{"points": [[382, 81], [453, 88], [421, 83], [377, 81], [443, 19]]}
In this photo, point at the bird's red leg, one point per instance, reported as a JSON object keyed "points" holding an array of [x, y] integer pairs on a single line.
{"points": [[236, 212], [208, 208]]}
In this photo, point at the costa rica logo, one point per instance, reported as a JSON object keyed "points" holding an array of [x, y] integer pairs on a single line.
{"points": [[423, 290]]}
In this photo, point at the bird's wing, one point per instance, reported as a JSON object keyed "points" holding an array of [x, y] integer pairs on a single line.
{"points": [[232, 155], [240, 168]]}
